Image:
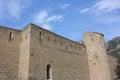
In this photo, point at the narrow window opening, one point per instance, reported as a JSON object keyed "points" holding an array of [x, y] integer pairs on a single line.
{"points": [[11, 35], [40, 36], [49, 73]]}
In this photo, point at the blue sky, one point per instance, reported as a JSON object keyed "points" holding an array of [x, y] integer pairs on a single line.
{"points": [[68, 18]]}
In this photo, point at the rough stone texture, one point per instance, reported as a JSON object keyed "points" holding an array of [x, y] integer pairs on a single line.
{"points": [[97, 56], [67, 63], [113, 64], [26, 54], [9, 53]]}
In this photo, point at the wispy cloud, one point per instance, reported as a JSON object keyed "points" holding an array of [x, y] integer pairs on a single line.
{"points": [[12, 8], [103, 6], [84, 10], [43, 18], [64, 6], [105, 11], [55, 18], [107, 5]]}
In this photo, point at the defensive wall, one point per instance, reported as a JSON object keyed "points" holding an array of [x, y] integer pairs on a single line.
{"points": [[9, 53], [38, 54], [68, 59]]}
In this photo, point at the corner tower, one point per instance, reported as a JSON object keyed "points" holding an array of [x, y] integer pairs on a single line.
{"points": [[97, 56]]}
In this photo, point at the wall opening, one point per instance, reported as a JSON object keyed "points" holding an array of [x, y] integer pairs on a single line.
{"points": [[40, 36], [11, 35], [49, 72]]}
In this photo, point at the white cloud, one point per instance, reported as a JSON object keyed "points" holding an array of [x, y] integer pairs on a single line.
{"points": [[107, 5], [84, 10], [103, 6], [64, 6], [104, 11], [55, 18], [47, 26], [41, 17], [12, 8]]}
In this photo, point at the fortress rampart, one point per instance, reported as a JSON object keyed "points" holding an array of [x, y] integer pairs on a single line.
{"points": [[38, 54], [68, 59], [9, 53]]}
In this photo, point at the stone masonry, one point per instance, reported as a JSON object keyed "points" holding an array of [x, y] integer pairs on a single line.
{"points": [[38, 54]]}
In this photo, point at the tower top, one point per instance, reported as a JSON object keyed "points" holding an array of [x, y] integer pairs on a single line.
{"points": [[95, 33]]}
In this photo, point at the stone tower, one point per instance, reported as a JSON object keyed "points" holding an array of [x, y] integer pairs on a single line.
{"points": [[97, 56]]}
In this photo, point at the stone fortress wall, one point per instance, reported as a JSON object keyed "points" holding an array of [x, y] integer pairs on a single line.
{"points": [[68, 59], [38, 54], [9, 53]]}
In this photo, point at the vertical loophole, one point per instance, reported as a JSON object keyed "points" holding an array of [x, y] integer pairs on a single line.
{"points": [[49, 73], [40, 36], [11, 35]]}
